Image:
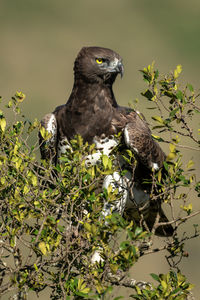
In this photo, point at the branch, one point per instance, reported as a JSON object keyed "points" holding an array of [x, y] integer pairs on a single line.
{"points": [[121, 279], [178, 219]]}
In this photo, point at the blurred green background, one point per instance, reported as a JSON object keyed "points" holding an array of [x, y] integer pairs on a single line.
{"points": [[39, 40]]}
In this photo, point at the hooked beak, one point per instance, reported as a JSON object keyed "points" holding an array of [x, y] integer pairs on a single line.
{"points": [[120, 68], [116, 66]]}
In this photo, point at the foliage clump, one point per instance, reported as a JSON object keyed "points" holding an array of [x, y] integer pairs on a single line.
{"points": [[51, 223]]}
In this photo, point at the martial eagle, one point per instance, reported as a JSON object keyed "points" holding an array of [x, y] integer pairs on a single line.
{"points": [[92, 112]]}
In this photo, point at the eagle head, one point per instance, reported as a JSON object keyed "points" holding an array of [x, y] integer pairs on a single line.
{"points": [[97, 64]]}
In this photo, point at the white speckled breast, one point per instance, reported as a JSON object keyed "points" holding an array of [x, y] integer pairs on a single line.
{"points": [[103, 146]]}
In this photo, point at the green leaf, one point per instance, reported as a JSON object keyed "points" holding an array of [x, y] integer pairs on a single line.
{"points": [[3, 124], [20, 96], [155, 277], [35, 266], [179, 95], [148, 94], [187, 208], [190, 87], [190, 164], [159, 175], [43, 248], [124, 245], [177, 71], [173, 112], [34, 180], [82, 286], [105, 160], [156, 74], [88, 227], [165, 164], [114, 268], [172, 148], [158, 138], [171, 156], [94, 229], [26, 189], [158, 119], [176, 291], [164, 285], [138, 231]]}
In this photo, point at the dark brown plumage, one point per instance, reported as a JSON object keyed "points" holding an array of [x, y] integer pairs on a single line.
{"points": [[93, 113], [91, 105]]}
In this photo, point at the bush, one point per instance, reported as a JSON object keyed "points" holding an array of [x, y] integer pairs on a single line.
{"points": [[51, 221]]}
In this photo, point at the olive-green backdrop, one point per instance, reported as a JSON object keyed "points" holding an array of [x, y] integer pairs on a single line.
{"points": [[39, 40]]}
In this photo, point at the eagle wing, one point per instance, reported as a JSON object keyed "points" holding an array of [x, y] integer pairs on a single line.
{"points": [[48, 147], [138, 138]]}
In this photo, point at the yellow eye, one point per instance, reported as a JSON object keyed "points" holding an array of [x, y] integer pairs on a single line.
{"points": [[99, 60]]}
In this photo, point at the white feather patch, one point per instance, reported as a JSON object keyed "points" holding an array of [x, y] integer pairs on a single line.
{"points": [[120, 183], [135, 150], [103, 146], [93, 159], [96, 257], [126, 137], [51, 125], [63, 146], [155, 166]]}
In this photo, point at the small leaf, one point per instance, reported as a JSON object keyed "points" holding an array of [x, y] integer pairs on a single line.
{"points": [[34, 180], [148, 94], [109, 164], [105, 161], [94, 229], [165, 165], [88, 227], [179, 95], [114, 268], [129, 152], [3, 124], [176, 291], [177, 71], [124, 245], [20, 96], [82, 286], [158, 119], [35, 266], [190, 164], [109, 189], [155, 277], [173, 112], [45, 133], [171, 156], [164, 285], [172, 148], [190, 87], [85, 290], [80, 282], [159, 175], [158, 138], [26, 189], [187, 208], [43, 248], [138, 231], [3, 180]]}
